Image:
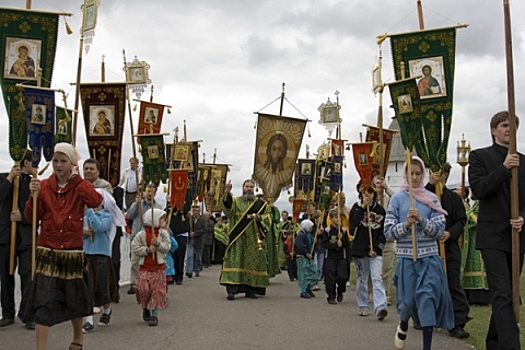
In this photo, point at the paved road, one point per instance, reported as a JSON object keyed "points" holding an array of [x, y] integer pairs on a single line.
{"points": [[199, 317]]}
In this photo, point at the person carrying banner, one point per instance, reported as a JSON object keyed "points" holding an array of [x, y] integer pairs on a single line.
{"points": [[245, 265], [55, 298]]}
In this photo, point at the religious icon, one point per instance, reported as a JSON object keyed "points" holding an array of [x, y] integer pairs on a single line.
{"points": [[330, 114], [337, 168], [181, 153], [363, 159], [432, 84], [62, 127], [153, 152], [323, 152], [38, 114], [90, 16], [276, 151], [102, 121], [22, 57], [404, 103], [150, 115], [136, 74], [306, 169]]}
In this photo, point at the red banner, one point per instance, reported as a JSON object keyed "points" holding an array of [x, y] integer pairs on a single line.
{"points": [[297, 208], [178, 186], [363, 160], [338, 147], [150, 117], [372, 135]]}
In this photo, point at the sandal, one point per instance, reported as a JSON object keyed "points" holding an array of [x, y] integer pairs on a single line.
{"points": [[400, 343], [75, 346]]}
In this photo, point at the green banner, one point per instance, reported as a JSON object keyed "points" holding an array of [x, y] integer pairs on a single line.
{"points": [[407, 104], [63, 131], [430, 55], [154, 159], [27, 42]]}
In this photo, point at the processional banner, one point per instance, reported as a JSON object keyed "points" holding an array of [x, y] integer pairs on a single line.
{"points": [[150, 118], [63, 130], [372, 135], [431, 55], [304, 183], [28, 42], [178, 187], [40, 116], [364, 160], [277, 146], [153, 159], [104, 108], [217, 181]]}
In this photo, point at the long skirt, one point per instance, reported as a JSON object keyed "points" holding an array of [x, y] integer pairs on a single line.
{"points": [[59, 291], [422, 292], [102, 278], [306, 273], [151, 289]]}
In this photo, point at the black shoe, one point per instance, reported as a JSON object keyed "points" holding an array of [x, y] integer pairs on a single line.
{"points": [[231, 296], [153, 321], [305, 295], [87, 327], [146, 315], [460, 333], [251, 296], [197, 274], [189, 275], [4, 322], [332, 301], [104, 319], [30, 325], [310, 293], [417, 326], [178, 283], [131, 290], [339, 297]]}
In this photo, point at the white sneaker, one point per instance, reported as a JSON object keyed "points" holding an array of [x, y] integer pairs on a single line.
{"points": [[363, 312], [400, 344], [96, 310]]}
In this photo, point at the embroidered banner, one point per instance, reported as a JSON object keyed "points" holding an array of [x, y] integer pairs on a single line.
{"points": [[178, 187], [154, 159], [278, 142], [406, 102], [185, 155], [89, 22], [372, 135], [431, 54], [63, 131], [297, 208], [363, 160], [150, 118], [304, 179], [40, 114], [104, 108], [28, 42], [217, 181]]}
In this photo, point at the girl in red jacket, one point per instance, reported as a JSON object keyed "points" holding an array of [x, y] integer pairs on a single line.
{"points": [[59, 291]]}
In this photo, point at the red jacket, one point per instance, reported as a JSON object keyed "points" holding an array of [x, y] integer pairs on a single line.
{"points": [[61, 211]]}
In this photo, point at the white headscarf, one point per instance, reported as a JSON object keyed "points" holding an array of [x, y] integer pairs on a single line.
{"points": [[306, 226], [108, 202], [69, 151], [157, 214]]}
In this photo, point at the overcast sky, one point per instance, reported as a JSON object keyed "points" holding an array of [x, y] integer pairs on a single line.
{"points": [[218, 61]]}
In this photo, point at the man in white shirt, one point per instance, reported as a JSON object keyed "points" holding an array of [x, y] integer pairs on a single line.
{"points": [[128, 181]]}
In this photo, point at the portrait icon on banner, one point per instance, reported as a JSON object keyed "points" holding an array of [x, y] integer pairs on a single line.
{"points": [[150, 115], [433, 82], [306, 169], [90, 17], [62, 127], [276, 153], [102, 120], [323, 152], [153, 152], [330, 114], [404, 103], [136, 74], [22, 58], [38, 114], [337, 168], [363, 159], [181, 153]]}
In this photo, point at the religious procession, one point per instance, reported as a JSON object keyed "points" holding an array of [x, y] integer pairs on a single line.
{"points": [[120, 212]]}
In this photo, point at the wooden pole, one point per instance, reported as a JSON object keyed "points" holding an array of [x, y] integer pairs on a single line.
{"points": [[79, 76], [514, 185], [12, 248], [33, 230], [282, 101], [420, 15], [411, 196]]}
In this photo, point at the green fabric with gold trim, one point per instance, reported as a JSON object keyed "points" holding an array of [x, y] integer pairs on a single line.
{"points": [[272, 241], [221, 233], [432, 54], [29, 40], [154, 159], [63, 131], [244, 263], [473, 273]]}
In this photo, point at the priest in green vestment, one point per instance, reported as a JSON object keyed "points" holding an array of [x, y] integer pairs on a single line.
{"points": [[245, 263]]}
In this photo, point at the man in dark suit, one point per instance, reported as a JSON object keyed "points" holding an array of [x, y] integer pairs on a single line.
{"points": [[23, 239], [489, 178], [198, 226], [454, 226]]}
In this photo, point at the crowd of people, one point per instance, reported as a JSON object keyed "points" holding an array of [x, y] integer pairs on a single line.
{"points": [[419, 240]]}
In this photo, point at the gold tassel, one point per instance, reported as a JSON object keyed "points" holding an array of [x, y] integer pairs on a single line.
{"points": [[165, 189], [135, 108], [169, 111], [68, 28]]}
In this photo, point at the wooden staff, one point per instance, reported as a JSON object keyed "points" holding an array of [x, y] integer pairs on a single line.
{"points": [[153, 255], [12, 250], [411, 196], [319, 223], [442, 253], [514, 184], [33, 230], [369, 228]]}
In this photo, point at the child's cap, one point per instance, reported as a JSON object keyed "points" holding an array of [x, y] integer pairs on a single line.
{"points": [[157, 215]]}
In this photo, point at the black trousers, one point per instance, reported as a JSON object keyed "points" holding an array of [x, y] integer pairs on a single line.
{"points": [[179, 257], [459, 299], [7, 281], [503, 330], [115, 257], [335, 276], [206, 255]]}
